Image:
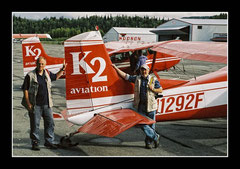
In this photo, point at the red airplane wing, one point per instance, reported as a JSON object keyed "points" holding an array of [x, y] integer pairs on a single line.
{"points": [[203, 51], [114, 122], [23, 36]]}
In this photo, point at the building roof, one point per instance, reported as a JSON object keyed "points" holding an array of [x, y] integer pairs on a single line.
{"points": [[169, 30], [175, 25], [205, 21], [128, 30]]}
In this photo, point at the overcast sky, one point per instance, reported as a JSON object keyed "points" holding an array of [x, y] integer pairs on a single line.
{"points": [[166, 15]]}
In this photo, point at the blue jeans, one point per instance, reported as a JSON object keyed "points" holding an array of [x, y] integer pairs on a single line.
{"points": [[35, 117], [149, 130]]}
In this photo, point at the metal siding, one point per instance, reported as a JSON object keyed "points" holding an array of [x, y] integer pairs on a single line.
{"points": [[209, 26], [115, 32], [111, 35], [206, 33]]}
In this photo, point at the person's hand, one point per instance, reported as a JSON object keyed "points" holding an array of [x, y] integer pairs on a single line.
{"points": [[114, 66], [151, 87], [30, 107], [64, 65]]}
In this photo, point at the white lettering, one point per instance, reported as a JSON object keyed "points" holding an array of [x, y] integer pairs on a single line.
{"points": [[97, 77], [88, 70], [91, 89], [30, 63], [82, 63], [99, 89], [72, 91], [38, 54], [86, 90], [29, 50], [33, 53]]}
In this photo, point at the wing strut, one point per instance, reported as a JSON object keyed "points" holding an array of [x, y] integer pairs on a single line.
{"points": [[153, 62]]}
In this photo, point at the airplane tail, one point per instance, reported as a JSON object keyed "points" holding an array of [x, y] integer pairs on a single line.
{"points": [[32, 49], [91, 81]]}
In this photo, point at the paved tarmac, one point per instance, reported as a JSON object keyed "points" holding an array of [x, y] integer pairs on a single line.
{"points": [[206, 137]]}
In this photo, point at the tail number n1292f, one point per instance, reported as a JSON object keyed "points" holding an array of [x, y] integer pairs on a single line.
{"points": [[182, 102]]}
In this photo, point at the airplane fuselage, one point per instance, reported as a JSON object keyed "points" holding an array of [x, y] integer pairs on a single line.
{"points": [[192, 100]]}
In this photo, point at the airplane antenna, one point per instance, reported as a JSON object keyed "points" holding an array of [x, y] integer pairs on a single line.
{"points": [[193, 70]]}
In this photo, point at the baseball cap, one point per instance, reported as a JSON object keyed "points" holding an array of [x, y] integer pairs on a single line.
{"points": [[145, 66]]}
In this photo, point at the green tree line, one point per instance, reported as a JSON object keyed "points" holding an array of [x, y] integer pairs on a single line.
{"points": [[65, 27]]}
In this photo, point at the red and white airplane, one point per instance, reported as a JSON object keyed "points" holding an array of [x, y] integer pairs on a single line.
{"points": [[100, 101], [32, 49]]}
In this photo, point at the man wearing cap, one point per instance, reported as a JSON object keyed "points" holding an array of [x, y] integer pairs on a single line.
{"points": [[145, 90]]}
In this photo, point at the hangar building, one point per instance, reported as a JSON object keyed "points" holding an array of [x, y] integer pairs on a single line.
{"points": [[130, 35], [192, 29]]}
